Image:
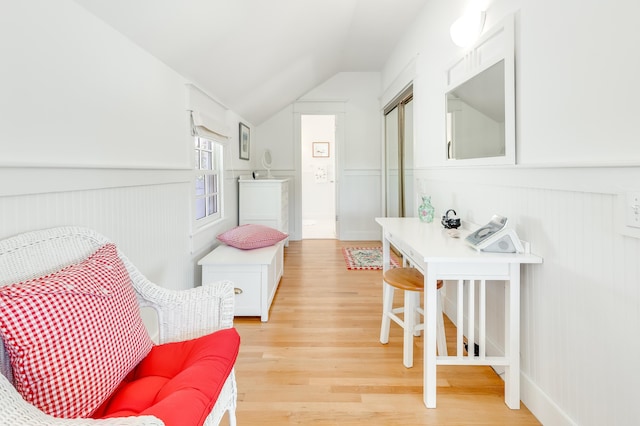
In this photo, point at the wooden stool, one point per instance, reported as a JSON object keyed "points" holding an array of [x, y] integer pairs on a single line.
{"points": [[412, 282]]}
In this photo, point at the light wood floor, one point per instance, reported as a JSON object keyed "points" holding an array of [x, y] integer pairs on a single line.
{"points": [[318, 361]]}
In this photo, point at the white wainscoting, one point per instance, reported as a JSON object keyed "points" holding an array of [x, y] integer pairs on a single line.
{"points": [[147, 220], [359, 204], [581, 307]]}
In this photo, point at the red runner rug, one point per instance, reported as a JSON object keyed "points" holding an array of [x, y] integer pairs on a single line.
{"points": [[365, 258]]}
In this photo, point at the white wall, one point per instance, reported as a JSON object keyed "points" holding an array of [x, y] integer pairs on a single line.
{"points": [[75, 92], [576, 85], [94, 132], [358, 156]]}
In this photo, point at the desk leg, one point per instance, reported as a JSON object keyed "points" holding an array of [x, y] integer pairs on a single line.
{"points": [[387, 293], [430, 352], [386, 255], [512, 338]]}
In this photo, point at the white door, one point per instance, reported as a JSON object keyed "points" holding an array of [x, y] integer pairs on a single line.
{"points": [[318, 175]]}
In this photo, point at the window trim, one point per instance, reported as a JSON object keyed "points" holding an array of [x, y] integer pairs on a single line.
{"points": [[217, 170]]}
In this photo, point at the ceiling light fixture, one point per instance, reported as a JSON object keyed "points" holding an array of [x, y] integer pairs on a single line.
{"points": [[467, 28]]}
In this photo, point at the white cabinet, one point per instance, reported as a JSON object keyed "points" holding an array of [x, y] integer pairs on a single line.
{"points": [[255, 274], [265, 202]]}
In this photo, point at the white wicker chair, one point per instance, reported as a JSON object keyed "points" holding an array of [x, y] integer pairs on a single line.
{"points": [[182, 315]]}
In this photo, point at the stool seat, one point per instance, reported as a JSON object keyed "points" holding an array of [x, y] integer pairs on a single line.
{"points": [[411, 281], [406, 279]]}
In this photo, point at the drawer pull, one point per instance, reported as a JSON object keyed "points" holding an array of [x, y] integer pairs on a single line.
{"points": [[237, 290]]}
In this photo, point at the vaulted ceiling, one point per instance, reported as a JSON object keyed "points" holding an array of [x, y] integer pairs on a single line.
{"points": [[257, 56]]}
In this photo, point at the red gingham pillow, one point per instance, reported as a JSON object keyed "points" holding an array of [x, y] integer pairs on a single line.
{"points": [[73, 335], [251, 236]]}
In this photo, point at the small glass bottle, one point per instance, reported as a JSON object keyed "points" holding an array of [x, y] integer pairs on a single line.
{"points": [[426, 210]]}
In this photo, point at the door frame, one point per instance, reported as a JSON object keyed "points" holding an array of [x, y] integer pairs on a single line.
{"points": [[300, 108]]}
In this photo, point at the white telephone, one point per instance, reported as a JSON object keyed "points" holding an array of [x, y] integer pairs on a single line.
{"points": [[495, 237]]}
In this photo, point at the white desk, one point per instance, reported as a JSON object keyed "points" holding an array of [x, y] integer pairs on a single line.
{"points": [[440, 257]]}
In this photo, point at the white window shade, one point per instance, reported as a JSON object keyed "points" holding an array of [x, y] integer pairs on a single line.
{"points": [[209, 127]]}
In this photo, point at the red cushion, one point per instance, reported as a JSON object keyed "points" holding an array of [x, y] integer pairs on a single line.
{"points": [[177, 382]]}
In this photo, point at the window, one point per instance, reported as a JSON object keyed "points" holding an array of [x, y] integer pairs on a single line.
{"points": [[208, 175]]}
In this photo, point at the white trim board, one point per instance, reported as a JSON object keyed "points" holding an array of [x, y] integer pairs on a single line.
{"points": [[604, 179], [539, 403], [41, 180]]}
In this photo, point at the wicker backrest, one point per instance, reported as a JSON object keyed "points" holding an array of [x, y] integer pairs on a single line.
{"points": [[38, 253]]}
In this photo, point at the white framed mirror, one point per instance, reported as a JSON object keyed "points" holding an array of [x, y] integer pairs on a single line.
{"points": [[267, 161], [480, 101]]}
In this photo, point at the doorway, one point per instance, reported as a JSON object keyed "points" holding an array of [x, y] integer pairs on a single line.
{"points": [[318, 165], [399, 177]]}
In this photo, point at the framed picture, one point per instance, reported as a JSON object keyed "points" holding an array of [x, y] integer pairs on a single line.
{"points": [[245, 141], [321, 149]]}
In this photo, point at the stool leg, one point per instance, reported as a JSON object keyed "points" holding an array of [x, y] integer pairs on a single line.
{"points": [[416, 318], [409, 326], [387, 306], [441, 340]]}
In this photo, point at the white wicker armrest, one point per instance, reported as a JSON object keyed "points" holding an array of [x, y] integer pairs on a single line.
{"points": [[184, 314], [16, 411], [187, 314]]}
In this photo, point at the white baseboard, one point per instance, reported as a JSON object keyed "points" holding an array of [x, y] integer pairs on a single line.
{"points": [[373, 235], [539, 403]]}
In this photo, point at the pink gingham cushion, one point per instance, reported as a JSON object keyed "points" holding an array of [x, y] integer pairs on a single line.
{"points": [[251, 236], [73, 335]]}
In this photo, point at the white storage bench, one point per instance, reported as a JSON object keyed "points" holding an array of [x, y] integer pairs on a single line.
{"points": [[255, 273]]}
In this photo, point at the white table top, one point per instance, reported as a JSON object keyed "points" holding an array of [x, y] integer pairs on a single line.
{"points": [[432, 242]]}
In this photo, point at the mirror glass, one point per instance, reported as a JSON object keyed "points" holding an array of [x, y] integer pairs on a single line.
{"points": [[476, 116], [266, 162], [266, 159], [480, 106]]}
